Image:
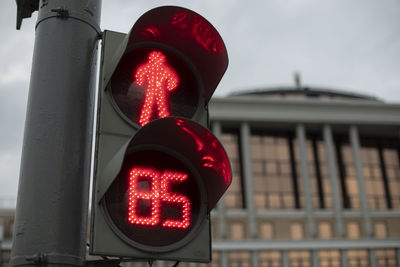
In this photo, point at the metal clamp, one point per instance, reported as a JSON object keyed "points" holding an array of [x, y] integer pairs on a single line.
{"points": [[64, 13]]}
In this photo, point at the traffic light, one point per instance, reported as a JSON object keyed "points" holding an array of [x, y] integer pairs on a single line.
{"points": [[158, 170]]}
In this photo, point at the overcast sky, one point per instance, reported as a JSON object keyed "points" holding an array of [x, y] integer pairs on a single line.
{"points": [[351, 45]]}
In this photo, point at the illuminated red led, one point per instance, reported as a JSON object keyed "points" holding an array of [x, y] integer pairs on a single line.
{"points": [[159, 192], [159, 78], [136, 194], [166, 178]]}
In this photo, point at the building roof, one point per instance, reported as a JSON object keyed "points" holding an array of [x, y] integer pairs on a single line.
{"points": [[303, 92]]}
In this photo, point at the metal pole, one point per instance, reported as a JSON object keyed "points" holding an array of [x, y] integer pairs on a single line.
{"points": [[52, 204]]}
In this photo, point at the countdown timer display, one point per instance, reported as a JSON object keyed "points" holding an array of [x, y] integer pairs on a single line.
{"points": [[155, 201]]}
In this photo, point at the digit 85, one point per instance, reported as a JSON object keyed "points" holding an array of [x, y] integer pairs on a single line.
{"points": [[157, 192]]}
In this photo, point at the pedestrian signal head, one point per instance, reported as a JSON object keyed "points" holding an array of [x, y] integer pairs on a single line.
{"points": [[172, 62], [158, 171]]}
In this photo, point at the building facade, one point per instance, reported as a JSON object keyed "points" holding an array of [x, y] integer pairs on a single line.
{"points": [[7, 213], [316, 181]]}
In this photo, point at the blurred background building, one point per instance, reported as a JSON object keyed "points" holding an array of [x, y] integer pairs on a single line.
{"points": [[7, 213], [316, 181]]}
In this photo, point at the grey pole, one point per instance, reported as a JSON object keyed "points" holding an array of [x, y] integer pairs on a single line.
{"points": [[53, 193]]}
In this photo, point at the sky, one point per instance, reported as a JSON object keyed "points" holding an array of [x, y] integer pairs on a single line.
{"points": [[349, 45]]}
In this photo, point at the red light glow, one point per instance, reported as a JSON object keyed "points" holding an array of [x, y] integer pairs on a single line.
{"points": [[200, 29], [159, 78], [159, 191], [151, 31], [209, 158], [199, 143]]}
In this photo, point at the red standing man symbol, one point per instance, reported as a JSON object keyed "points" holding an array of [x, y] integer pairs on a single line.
{"points": [[159, 79]]}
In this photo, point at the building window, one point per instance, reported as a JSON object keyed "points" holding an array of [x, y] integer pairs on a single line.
{"points": [[274, 172], [237, 230], [329, 258], [347, 174], [233, 197], [5, 257], [239, 259], [266, 230], [380, 230], [269, 259], [358, 258], [145, 264], [318, 169], [300, 258], [381, 169], [353, 230], [324, 230], [373, 172], [296, 231], [169, 264], [7, 226], [391, 161], [386, 257]]}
